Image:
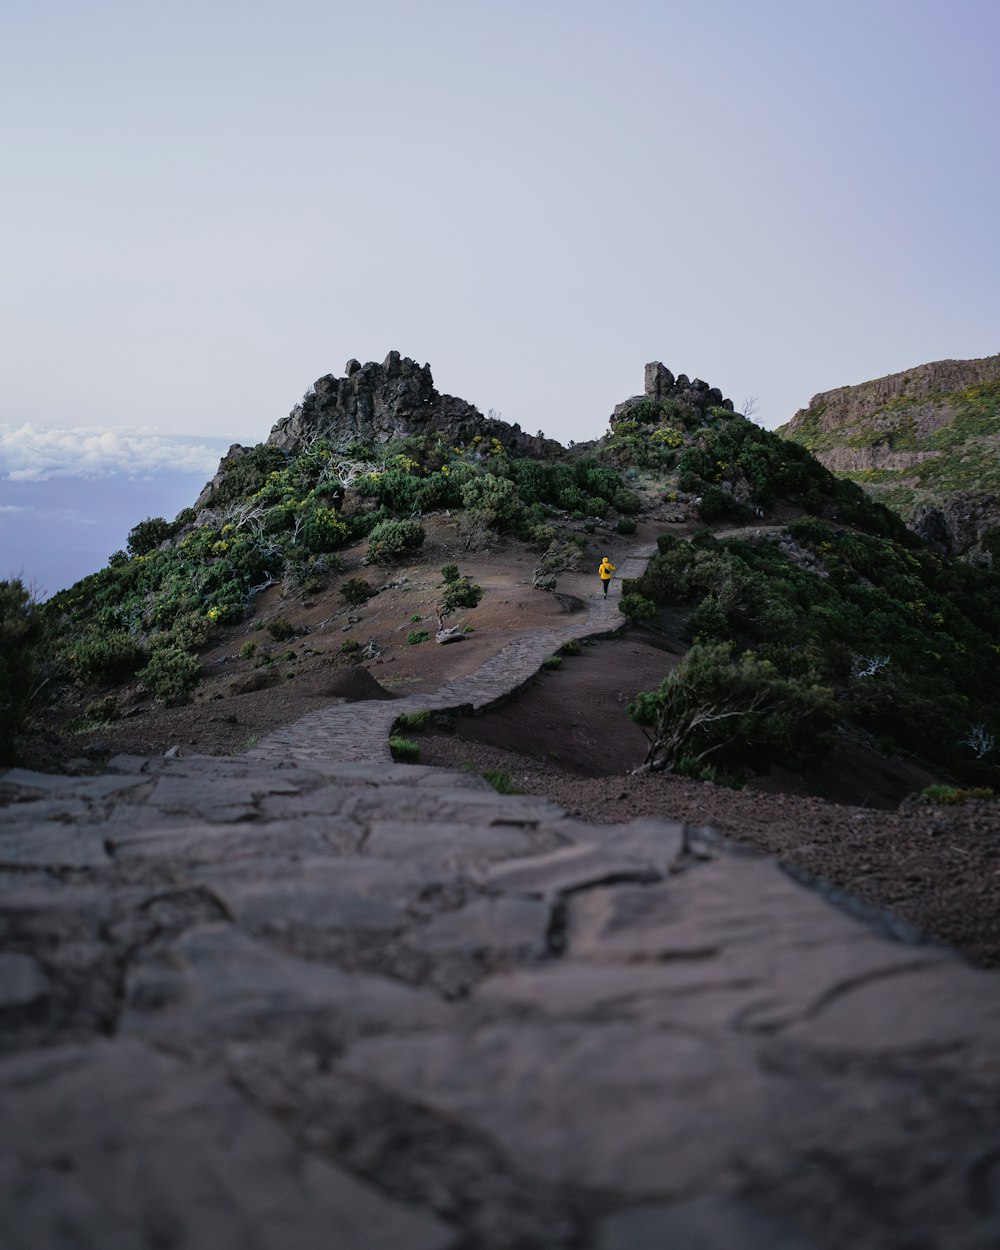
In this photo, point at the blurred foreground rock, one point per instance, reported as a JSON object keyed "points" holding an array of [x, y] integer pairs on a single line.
{"points": [[253, 1002]]}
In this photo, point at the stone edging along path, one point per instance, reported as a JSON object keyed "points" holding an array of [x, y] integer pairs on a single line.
{"points": [[359, 732]]}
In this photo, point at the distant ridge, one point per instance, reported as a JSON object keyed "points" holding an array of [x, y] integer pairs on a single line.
{"points": [[925, 441]]}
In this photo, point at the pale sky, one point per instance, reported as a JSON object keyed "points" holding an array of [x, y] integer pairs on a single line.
{"points": [[206, 206]]}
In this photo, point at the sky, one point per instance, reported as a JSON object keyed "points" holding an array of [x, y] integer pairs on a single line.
{"points": [[208, 204]]}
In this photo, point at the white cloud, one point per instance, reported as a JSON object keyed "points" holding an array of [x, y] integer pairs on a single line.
{"points": [[29, 453]]}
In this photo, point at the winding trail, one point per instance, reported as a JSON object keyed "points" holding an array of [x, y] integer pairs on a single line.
{"points": [[359, 732]]}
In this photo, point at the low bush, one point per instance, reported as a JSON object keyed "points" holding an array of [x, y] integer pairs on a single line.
{"points": [[626, 525], [21, 633], [417, 636], [390, 541], [350, 646], [415, 722], [280, 629], [171, 676], [636, 607], [357, 591], [104, 656]]}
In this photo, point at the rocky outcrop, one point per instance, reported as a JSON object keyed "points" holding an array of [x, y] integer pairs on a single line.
{"points": [[661, 386], [847, 405], [376, 403], [957, 526]]}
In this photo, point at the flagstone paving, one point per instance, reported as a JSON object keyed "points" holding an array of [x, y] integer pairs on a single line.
{"points": [[311, 998]]}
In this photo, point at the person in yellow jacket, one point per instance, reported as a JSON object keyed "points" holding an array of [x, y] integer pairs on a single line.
{"points": [[605, 571]]}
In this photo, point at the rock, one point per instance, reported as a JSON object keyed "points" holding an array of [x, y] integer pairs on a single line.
{"points": [[381, 402], [22, 981], [452, 634], [661, 385]]}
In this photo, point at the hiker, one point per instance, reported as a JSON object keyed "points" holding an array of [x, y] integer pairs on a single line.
{"points": [[605, 571]]}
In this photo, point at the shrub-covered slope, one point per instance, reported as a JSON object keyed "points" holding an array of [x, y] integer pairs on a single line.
{"points": [[795, 631], [361, 470]]}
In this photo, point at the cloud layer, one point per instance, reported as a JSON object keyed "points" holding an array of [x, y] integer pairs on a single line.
{"points": [[32, 454]]}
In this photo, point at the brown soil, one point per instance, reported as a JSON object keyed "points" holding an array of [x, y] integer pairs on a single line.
{"points": [[567, 736]]}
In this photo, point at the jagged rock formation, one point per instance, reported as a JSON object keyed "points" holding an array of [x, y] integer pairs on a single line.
{"points": [[376, 403], [923, 441], [661, 386]]}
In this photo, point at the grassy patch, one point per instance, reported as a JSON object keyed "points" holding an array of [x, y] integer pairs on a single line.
{"points": [[404, 750]]}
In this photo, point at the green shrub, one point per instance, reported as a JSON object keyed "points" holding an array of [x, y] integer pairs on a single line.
{"points": [[171, 676], [280, 629], [104, 656], [389, 541], [570, 648], [101, 711], [404, 750], [149, 534], [626, 525], [716, 504], [350, 646], [636, 607], [459, 593], [416, 722], [21, 634], [450, 572], [357, 591], [552, 661], [416, 636], [248, 650]]}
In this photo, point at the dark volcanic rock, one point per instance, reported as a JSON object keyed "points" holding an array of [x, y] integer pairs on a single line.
{"points": [[376, 403], [661, 385]]}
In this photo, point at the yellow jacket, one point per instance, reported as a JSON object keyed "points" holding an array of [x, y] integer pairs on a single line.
{"points": [[606, 569]]}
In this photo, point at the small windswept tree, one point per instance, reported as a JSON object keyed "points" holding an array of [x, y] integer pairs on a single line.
{"points": [[737, 713]]}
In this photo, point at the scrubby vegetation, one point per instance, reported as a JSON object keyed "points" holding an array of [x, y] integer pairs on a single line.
{"points": [[906, 641], [21, 632]]}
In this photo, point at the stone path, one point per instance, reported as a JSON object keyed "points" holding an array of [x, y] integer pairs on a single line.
{"points": [[360, 731], [308, 999]]}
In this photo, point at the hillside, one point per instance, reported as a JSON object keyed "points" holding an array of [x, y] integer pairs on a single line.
{"points": [[317, 568], [381, 515], [925, 442]]}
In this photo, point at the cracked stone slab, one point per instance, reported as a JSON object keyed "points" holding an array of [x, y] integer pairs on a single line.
{"points": [[119, 1146], [22, 981], [735, 945], [53, 846], [661, 1118], [503, 925], [707, 1223], [55, 785], [567, 869], [444, 848], [205, 795], [215, 983], [194, 844], [672, 1109]]}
